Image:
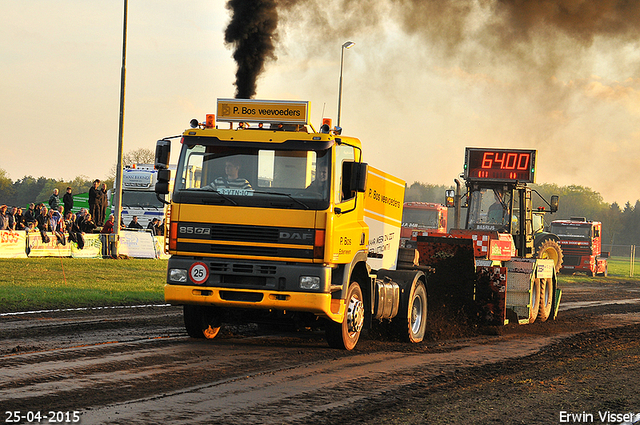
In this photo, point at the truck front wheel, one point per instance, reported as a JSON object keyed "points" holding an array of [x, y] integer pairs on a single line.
{"points": [[201, 321], [412, 327], [345, 335]]}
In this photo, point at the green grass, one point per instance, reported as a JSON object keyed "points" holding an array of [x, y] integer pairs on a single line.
{"points": [[51, 283], [619, 268]]}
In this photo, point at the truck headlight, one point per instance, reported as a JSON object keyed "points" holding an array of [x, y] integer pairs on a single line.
{"points": [[178, 275], [309, 282]]}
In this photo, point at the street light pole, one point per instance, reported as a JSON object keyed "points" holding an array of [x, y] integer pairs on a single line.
{"points": [[118, 195], [346, 45]]}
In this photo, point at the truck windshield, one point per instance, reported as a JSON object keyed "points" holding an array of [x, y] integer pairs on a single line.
{"points": [[583, 232], [420, 219], [249, 176], [140, 199], [489, 209]]}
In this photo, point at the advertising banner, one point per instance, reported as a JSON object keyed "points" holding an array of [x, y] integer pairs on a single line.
{"points": [[36, 247], [137, 244], [12, 244]]}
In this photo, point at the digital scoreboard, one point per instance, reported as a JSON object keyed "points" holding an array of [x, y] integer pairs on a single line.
{"points": [[500, 165]]}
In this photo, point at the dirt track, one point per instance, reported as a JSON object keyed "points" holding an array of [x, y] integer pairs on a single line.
{"points": [[136, 365]]}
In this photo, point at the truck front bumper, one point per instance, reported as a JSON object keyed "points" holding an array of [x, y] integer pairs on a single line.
{"points": [[319, 304]]}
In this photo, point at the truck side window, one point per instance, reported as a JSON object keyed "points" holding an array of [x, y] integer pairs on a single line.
{"points": [[343, 153]]}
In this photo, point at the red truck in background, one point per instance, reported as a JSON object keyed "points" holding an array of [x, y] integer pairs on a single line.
{"points": [[420, 219], [581, 243]]}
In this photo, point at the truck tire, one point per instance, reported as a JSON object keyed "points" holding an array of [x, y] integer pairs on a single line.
{"points": [[535, 300], [345, 335], [546, 299], [548, 248], [605, 272], [201, 321], [412, 324]]}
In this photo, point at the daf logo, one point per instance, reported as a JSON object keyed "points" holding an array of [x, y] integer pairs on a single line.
{"points": [[297, 236]]}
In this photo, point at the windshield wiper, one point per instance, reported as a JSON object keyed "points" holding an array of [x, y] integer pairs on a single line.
{"points": [[288, 195], [223, 196]]}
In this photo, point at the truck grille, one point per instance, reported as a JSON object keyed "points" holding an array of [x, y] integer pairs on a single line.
{"points": [[571, 260], [239, 240], [245, 233]]}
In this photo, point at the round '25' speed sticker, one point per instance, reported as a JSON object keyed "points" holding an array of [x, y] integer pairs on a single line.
{"points": [[199, 273]]}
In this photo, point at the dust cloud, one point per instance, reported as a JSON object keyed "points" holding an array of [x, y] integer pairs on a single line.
{"points": [[560, 76]]}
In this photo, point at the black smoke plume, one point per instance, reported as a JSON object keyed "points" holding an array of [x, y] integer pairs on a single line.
{"points": [[251, 32]]}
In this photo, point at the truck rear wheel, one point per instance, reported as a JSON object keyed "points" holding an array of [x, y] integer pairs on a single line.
{"points": [[546, 299], [201, 321], [345, 335], [535, 300], [412, 327], [550, 249]]}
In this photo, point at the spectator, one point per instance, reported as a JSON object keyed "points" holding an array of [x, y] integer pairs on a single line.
{"points": [[93, 196], [160, 228], [88, 225], [152, 226], [30, 214], [19, 217], [108, 225], [30, 226], [80, 216], [75, 234], [4, 220], [38, 209], [54, 220], [67, 200], [11, 218], [54, 200], [103, 202], [133, 224], [60, 228], [44, 224]]}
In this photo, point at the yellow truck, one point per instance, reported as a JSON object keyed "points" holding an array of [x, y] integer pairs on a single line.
{"points": [[271, 220]]}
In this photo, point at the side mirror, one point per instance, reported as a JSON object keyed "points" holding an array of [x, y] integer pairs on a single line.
{"points": [[358, 176], [554, 203], [449, 198], [163, 150], [162, 185]]}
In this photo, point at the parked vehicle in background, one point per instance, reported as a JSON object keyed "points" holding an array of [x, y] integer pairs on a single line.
{"points": [[422, 219], [581, 242], [139, 196]]}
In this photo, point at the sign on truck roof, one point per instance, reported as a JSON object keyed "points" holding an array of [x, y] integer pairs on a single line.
{"points": [[263, 111]]}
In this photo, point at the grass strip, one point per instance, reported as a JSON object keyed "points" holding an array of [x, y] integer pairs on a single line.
{"points": [[52, 283]]}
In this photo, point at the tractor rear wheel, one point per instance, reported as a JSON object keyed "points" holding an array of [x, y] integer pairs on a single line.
{"points": [[535, 300], [550, 249], [546, 299]]}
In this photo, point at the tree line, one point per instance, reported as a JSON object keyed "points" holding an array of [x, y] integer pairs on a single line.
{"points": [[620, 224]]}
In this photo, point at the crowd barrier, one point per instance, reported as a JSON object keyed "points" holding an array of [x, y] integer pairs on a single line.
{"points": [[133, 244]]}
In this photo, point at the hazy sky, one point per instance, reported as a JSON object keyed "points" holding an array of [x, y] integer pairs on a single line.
{"points": [[424, 80]]}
